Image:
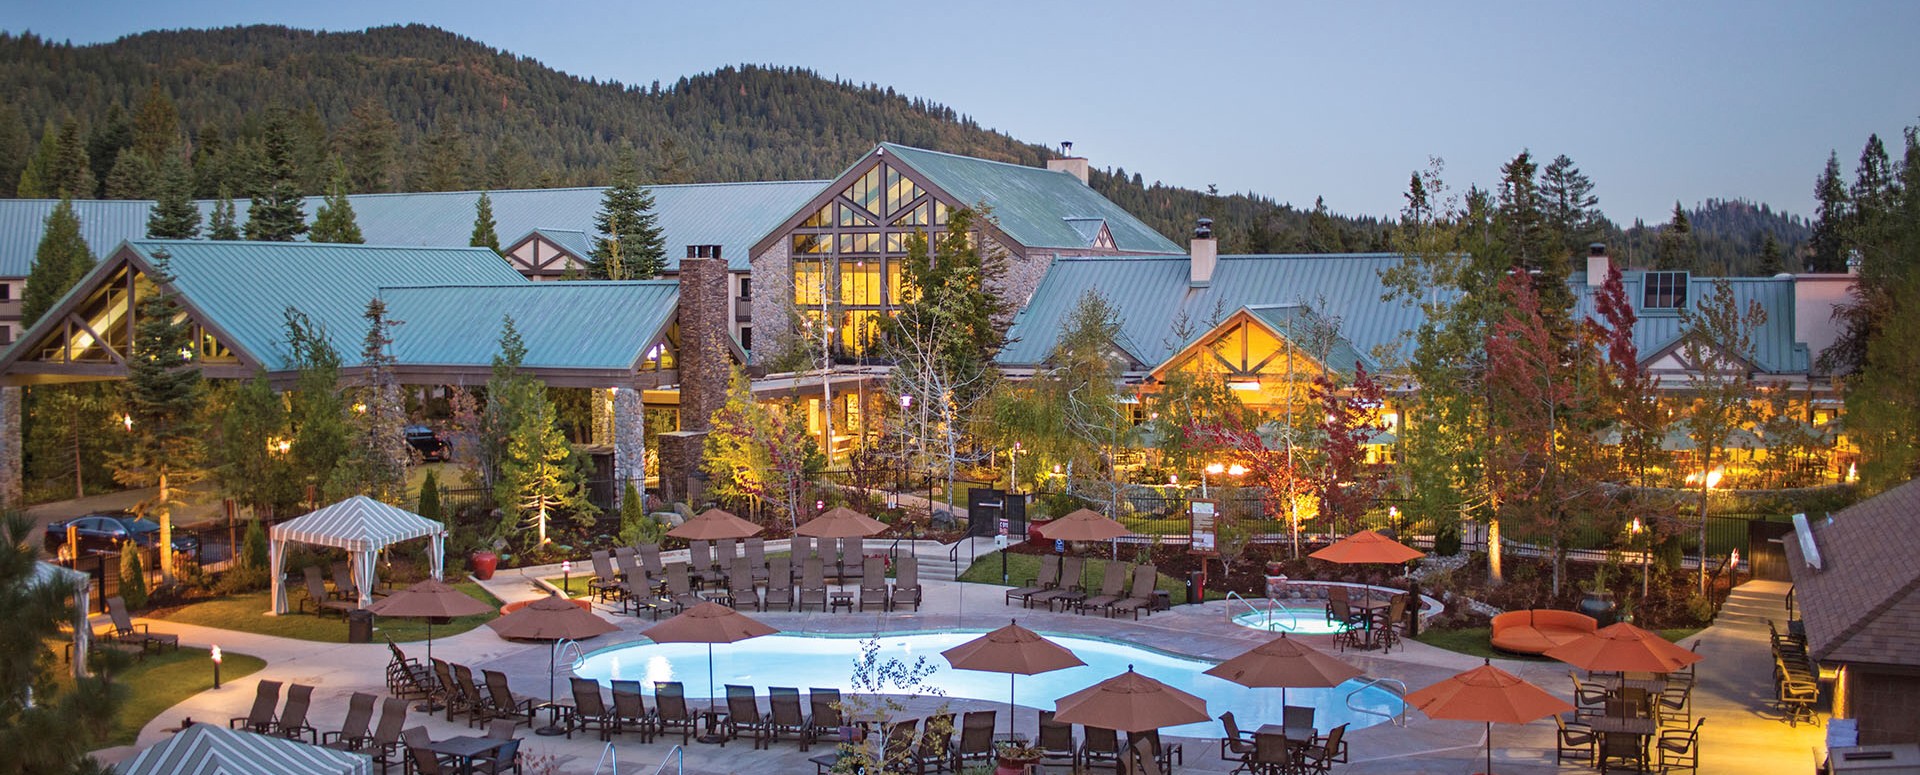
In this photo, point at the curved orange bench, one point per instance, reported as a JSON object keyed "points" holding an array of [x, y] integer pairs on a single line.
{"points": [[1535, 631]]}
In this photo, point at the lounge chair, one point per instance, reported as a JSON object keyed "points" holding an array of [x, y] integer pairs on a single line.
{"points": [[700, 557], [743, 714], [670, 705], [353, 729], [779, 585], [934, 751], [406, 677], [125, 630], [630, 710], [450, 693], [906, 583], [605, 584], [740, 587], [266, 697], [479, 705], [757, 559], [725, 552], [1072, 586], [784, 715], [650, 562], [1113, 585], [897, 748], [343, 586], [1055, 741], [292, 723], [425, 761], [825, 717], [873, 583], [976, 737], [1048, 578], [1099, 745], [680, 587], [317, 594], [1140, 596], [384, 746], [802, 548], [852, 557], [503, 704], [813, 585], [590, 710]]}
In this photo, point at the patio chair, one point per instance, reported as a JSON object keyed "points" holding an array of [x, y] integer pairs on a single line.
{"points": [[1338, 594], [1589, 699], [1145, 761], [743, 714], [757, 559], [1113, 585], [680, 594], [266, 697], [504, 758], [934, 751], [590, 710], [1167, 754], [906, 583], [651, 564], [1386, 628], [425, 761], [976, 737], [479, 705], [897, 749], [630, 710], [873, 583], [824, 717], [125, 630], [852, 552], [353, 729], [1797, 696], [802, 547], [725, 552], [813, 585], [638, 582], [503, 704], [317, 594], [1325, 752], [1685, 674], [700, 556], [779, 585], [343, 586], [784, 715], [670, 707], [384, 745], [605, 584], [1237, 744], [1272, 755], [740, 587], [1296, 717], [292, 723], [1055, 741], [450, 693], [1140, 596], [1072, 573], [1574, 738], [1674, 705], [1099, 745], [406, 677], [1047, 578], [1680, 747]]}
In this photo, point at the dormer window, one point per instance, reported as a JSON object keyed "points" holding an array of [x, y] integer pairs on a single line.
{"points": [[1665, 290]]}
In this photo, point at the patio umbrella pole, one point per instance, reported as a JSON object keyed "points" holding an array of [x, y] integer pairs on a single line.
{"points": [[1489, 748], [550, 730], [1010, 703]]}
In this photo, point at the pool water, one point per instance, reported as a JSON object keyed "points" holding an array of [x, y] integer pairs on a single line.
{"points": [[827, 662], [1295, 620]]}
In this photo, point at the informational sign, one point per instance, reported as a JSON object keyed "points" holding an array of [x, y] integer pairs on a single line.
{"points": [[1003, 526], [1200, 513]]}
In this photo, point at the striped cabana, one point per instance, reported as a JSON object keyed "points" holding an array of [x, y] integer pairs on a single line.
{"points": [[45, 573], [362, 526], [205, 749]]}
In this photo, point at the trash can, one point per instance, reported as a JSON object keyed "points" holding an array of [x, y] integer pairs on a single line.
{"points": [[1196, 588], [360, 626]]}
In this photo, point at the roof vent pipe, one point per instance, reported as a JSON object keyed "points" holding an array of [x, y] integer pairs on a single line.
{"points": [[1203, 252]]}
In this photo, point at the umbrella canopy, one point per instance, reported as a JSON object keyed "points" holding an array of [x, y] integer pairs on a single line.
{"points": [[430, 598], [1084, 525], [1014, 650], [1367, 546], [1283, 663], [714, 525], [551, 618], [708, 623], [208, 749], [1130, 702], [841, 522], [1624, 647], [1487, 694]]}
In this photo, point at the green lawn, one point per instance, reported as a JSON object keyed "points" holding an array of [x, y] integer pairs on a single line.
{"points": [[1021, 567], [162, 680], [1478, 641], [576, 585], [247, 613]]}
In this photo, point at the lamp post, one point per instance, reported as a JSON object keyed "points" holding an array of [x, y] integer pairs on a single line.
{"points": [[566, 578], [1646, 551], [216, 667], [1212, 468]]}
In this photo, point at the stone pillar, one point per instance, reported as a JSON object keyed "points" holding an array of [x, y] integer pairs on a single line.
{"points": [[629, 441], [705, 365], [12, 495]]}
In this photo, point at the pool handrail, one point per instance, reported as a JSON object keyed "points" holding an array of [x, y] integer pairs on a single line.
{"points": [[1394, 685], [606, 752], [675, 755], [1293, 619]]}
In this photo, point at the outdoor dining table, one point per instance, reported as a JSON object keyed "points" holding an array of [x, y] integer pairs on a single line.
{"points": [[1640, 728], [466, 748], [1297, 737], [1652, 683]]}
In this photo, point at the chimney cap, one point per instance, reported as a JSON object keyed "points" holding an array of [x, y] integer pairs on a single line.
{"points": [[1596, 248], [1203, 228], [1066, 147]]}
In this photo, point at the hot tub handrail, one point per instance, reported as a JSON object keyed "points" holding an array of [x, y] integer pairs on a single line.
{"points": [[1394, 685], [1293, 619]]}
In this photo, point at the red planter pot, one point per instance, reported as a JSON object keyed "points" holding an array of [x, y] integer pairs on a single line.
{"points": [[483, 564]]}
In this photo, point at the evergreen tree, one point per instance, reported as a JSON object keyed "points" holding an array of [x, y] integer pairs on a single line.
{"points": [[376, 461], [15, 145], [164, 394], [1771, 261], [445, 161], [223, 225], [1677, 248], [46, 724], [1831, 213], [1572, 211], [277, 213], [61, 260], [133, 577], [36, 179], [156, 124], [71, 172], [174, 215], [130, 178], [109, 137], [334, 221], [1524, 238], [369, 142], [429, 505], [670, 163], [535, 479], [68, 431], [254, 467], [1870, 231], [316, 409], [483, 225], [630, 245]]}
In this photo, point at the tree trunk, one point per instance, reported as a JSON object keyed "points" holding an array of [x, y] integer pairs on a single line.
{"points": [[1706, 484], [166, 532], [1494, 573], [79, 475]]}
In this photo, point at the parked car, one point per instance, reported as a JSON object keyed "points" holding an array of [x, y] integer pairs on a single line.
{"points": [[426, 444], [105, 532]]}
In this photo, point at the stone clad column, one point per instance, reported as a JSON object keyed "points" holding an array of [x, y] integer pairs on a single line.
{"points": [[12, 495], [705, 365], [629, 442]]}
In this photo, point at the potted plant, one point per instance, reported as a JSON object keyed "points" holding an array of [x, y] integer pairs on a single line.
{"points": [[1015, 755], [484, 561], [1598, 600]]}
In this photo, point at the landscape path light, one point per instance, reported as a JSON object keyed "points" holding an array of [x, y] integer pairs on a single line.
{"points": [[216, 666]]}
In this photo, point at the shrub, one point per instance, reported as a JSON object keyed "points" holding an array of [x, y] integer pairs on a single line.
{"points": [[429, 497], [133, 576], [636, 525], [1446, 538], [253, 547]]}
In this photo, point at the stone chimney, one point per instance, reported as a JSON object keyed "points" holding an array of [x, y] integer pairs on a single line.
{"points": [[1598, 265], [704, 364], [1069, 163], [1203, 252]]}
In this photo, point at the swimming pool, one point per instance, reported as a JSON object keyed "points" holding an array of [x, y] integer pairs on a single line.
{"points": [[827, 662]]}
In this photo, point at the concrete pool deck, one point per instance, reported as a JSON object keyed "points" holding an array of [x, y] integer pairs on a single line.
{"points": [[1741, 735]]}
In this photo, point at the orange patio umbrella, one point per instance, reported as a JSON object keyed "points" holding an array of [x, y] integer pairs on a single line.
{"points": [[708, 623], [714, 525], [1623, 647], [1281, 663], [841, 522], [1130, 702], [1014, 650], [552, 618], [1487, 694], [1367, 546]]}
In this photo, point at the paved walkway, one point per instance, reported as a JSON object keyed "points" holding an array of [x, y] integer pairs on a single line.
{"points": [[1740, 738]]}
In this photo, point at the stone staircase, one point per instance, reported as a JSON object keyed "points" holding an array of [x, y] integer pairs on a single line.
{"points": [[934, 565], [1751, 605]]}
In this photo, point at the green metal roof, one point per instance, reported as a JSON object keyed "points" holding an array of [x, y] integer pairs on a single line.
{"points": [[1032, 205], [103, 224], [574, 241], [580, 325], [245, 288], [1774, 349], [1296, 322]]}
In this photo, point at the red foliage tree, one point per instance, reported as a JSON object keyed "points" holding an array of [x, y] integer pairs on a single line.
{"points": [[1347, 422]]}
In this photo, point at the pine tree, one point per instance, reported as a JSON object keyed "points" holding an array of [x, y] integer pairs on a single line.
{"points": [[174, 215], [133, 577], [277, 213], [1832, 212], [223, 226], [15, 145], [535, 478], [630, 245], [111, 135], [429, 505], [445, 161], [483, 225], [130, 178], [46, 724], [36, 180], [254, 467], [71, 172], [369, 143], [1572, 211], [164, 395], [156, 124], [377, 456], [1771, 262], [670, 163], [315, 408], [1678, 251], [61, 260], [334, 221]]}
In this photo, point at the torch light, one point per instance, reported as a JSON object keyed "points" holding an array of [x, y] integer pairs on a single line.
{"points": [[216, 667]]}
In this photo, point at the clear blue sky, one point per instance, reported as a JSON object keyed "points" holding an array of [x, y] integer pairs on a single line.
{"points": [[1657, 101]]}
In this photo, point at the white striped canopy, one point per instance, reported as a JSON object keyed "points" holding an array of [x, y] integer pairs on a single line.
{"points": [[360, 525], [205, 749], [45, 572]]}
